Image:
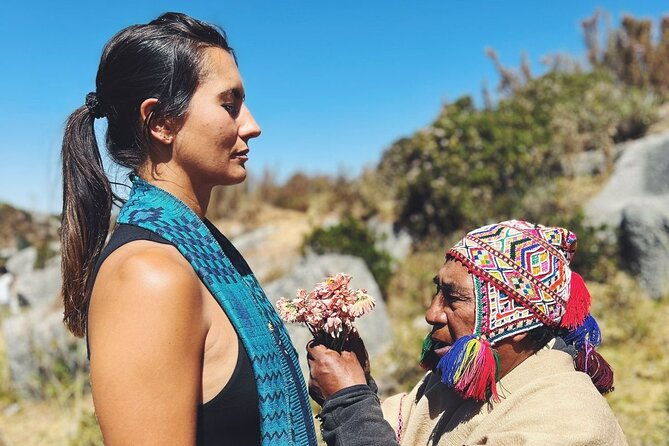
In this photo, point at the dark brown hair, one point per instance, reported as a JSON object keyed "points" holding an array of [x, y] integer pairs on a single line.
{"points": [[162, 59]]}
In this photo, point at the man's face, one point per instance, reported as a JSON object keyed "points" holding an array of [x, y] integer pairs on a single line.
{"points": [[452, 313]]}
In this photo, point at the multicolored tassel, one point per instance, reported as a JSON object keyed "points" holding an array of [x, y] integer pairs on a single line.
{"points": [[578, 304], [586, 333], [471, 367], [591, 362]]}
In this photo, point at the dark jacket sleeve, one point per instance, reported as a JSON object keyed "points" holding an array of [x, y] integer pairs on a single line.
{"points": [[353, 417]]}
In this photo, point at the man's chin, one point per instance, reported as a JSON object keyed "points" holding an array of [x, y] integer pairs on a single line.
{"points": [[441, 351]]}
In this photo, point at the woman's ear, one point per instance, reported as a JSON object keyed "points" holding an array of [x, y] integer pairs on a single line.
{"points": [[160, 129]]}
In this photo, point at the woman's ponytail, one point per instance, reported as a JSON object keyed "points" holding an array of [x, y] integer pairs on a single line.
{"points": [[87, 201]]}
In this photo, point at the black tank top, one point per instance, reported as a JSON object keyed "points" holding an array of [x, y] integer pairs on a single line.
{"points": [[232, 417]]}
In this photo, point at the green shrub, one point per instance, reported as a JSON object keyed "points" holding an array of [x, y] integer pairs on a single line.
{"points": [[352, 237], [474, 166]]}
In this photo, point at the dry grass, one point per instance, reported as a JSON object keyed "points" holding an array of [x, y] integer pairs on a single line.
{"points": [[66, 419], [36, 423], [636, 335]]}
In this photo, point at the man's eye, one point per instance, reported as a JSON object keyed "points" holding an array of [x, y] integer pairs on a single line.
{"points": [[450, 298]]}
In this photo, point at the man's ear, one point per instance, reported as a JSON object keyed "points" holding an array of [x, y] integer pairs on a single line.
{"points": [[520, 340], [161, 130], [520, 337]]}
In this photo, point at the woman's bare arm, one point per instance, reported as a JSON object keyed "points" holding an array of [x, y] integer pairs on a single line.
{"points": [[146, 332]]}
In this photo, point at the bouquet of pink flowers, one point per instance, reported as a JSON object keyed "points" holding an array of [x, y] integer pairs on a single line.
{"points": [[328, 310]]}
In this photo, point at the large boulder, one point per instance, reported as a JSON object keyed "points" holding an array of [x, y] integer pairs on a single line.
{"points": [[22, 262], [40, 350], [644, 243], [395, 242], [634, 206], [641, 174], [374, 327], [39, 286]]}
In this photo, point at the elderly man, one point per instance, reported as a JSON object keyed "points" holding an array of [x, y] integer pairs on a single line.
{"points": [[511, 355]]}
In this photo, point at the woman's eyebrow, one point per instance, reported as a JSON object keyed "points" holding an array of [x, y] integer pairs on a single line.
{"points": [[236, 93]]}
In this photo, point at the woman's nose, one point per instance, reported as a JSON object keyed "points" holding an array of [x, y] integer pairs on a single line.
{"points": [[249, 128]]}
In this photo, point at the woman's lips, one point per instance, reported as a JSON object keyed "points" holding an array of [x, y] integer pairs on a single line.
{"points": [[242, 155]]}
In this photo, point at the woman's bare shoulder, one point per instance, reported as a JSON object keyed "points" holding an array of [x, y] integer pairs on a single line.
{"points": [[146, 284]]}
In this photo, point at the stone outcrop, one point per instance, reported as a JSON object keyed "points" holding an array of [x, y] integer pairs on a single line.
{"points": [[40, 286], [397, 243], [634, 206], [644, 241], [640, 176], [40, 349], [22, 262]]}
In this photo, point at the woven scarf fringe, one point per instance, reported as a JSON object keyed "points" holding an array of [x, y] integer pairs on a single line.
{"points": [[578, 304], [471, 368]]}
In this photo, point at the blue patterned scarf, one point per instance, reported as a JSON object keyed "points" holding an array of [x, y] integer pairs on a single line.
{"points": [[285, 413]]}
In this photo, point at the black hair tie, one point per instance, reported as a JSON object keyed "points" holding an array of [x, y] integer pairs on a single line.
{"points": [[93, 105]]}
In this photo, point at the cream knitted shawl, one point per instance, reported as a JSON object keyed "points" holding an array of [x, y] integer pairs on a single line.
{"points": [[544, 401]]}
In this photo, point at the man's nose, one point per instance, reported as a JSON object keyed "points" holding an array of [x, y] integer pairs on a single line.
{"points": [[433, 315]]}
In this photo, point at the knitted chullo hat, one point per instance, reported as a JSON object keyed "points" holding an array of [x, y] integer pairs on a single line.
{"points": [[522, 281]]}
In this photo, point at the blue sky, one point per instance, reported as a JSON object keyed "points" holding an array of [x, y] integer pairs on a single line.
{"points": [[332, 84]]}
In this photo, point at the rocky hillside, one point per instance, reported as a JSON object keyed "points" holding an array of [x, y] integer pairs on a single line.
{"points": [[20, 229]]}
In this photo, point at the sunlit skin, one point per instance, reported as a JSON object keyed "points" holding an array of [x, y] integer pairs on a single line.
{"points": [[452, 314], [210, 147], [160, 344]]}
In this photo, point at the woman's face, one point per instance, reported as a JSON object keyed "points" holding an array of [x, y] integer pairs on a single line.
{"points": [[211, 146]]}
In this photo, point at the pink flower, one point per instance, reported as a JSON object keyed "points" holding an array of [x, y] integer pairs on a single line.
{"points": [[328, 310], [288, 311], [363, 304]]}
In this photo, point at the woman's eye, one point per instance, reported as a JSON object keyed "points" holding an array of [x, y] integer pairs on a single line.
{"points": [[232, 109]]}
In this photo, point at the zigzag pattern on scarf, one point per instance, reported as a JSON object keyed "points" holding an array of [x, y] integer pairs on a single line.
{"points": [[286, 417]]}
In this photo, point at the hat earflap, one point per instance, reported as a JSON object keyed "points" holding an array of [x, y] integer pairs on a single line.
{"points": [[471, 367]]}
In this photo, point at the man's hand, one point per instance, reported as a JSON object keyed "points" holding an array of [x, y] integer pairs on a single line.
{"points": [[331, 371]]}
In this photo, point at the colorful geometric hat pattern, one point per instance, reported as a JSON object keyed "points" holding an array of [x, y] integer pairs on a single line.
{"points": [[521, 275]]}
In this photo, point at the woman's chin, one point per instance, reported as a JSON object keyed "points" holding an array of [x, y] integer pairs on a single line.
{"points": [[233, 178]]}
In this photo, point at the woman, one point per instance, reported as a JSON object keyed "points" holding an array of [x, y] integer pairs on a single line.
{"points": [[184, 346]]}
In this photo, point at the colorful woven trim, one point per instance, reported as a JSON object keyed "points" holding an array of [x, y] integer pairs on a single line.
{"points": [[286, 417]]}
